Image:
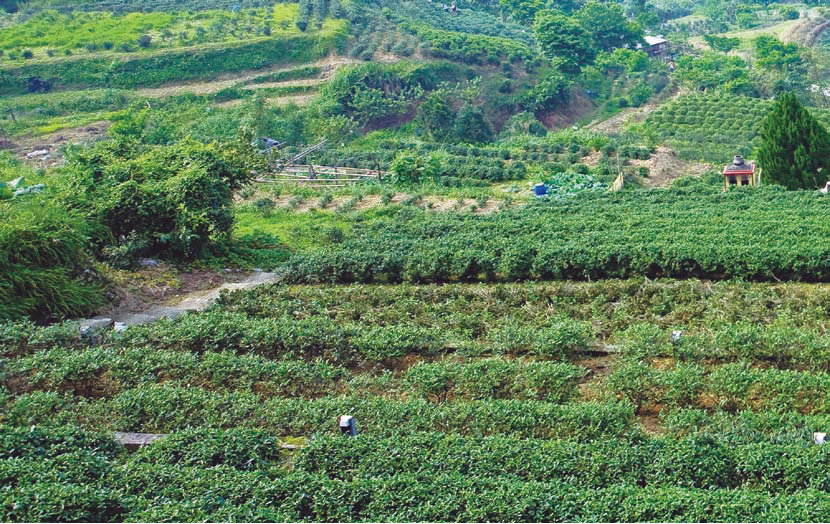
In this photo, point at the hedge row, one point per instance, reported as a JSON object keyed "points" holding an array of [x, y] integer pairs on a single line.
{"points": [[591, 236], [162, 409], [779, 344], [689, 463], [729, 387], [104, 372]]}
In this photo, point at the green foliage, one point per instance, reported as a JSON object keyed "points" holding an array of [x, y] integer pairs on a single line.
{"points": [[471, 125], [43, 255], [410, 167], [435, 115], [771, 53], [153, 69], [373, 91], [788, 13], [723, 44], [608, 26], [469, 48], [587, 236], [690, 463], [164, 409], [522, 10], [103, 30], [564, 40], [794, 146], [714, 126], [548, 93], [171, 201], [524, 123], [712, 70], [623, 60]]}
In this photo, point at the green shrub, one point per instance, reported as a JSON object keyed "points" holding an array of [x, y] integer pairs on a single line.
{"points": [[44, 251]]}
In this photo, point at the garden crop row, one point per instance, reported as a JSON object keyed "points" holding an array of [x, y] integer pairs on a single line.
{"points": [[469, 48], [467, 167], [374, 36], [610, 305], [510, 160], [240, 470], [555, 146], [160, 409], [744, 427], [694, 462], [589, 236], [784, 346], [467, 20], [320, 336], [151, 493], [102, 372], [729, 387], [721, 321]]}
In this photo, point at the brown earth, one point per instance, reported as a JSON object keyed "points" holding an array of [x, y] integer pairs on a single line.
{"points": [[431, 202], [664, 167], [24, 145], [577, 107]]}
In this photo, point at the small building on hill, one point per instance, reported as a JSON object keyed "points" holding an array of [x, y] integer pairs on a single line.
{"points": [[655, 46], [740, 173]]}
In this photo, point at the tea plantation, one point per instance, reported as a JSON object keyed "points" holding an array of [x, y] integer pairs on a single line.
{"points": [[496, 234], [564, 401]]}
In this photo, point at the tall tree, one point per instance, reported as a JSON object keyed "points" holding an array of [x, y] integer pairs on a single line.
{"points": [[522, 10], [564, 40], [795, 147], [607, 24]]}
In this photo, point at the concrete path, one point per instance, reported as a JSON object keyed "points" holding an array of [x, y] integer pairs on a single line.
{"points": [[193, 302]]}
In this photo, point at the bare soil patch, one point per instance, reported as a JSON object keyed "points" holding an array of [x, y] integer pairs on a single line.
{"points": [[664, 167], [577, 107], [137, 291], [44, 150]]}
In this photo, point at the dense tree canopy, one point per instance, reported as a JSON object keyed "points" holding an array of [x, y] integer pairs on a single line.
{"points": [[722, 43], [564, 40], [713, 70], [608, 26]]}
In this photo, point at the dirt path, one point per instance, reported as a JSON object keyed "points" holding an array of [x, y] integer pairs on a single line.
{"points": [[328, 65], [808, 30], [302, 82], [615, 123]]}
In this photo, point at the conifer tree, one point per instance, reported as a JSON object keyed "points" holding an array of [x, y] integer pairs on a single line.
{"points": [[795, 147]]}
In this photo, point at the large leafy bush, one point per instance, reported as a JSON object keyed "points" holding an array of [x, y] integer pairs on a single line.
{"points": [[171, 201]]}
